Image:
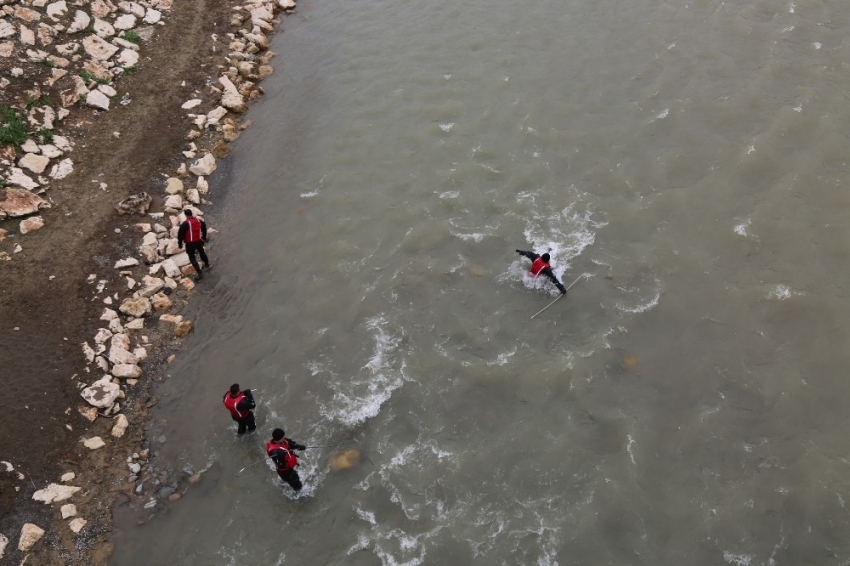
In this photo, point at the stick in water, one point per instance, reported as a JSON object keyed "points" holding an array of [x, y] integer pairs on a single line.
{"points": [[248, 466], [559, 298]]}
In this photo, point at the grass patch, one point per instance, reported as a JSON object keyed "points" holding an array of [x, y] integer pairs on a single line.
{"points": [[13, 129], [131, 36], [46, 135], [32, 101], [130, 71], [89, 77], [49, 63]]}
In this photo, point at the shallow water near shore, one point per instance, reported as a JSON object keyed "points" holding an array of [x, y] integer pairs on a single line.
{"points": [[686, 403]]}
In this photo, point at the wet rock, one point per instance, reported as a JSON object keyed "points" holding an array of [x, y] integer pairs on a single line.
{"points": [[68, 510], [182, 328], [121, 424], [166, 492], [94, 442], [136, 306], [138, 204], [31, 224], [150, 504], [132, 479], [101, 393], [55, 492], [194, 479], [345, 459], [76, 525], [30, 534], [67, 477], [174, 497], [20, 202]]}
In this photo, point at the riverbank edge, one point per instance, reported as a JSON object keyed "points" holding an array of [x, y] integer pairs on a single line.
{"points": [[125, 295]]}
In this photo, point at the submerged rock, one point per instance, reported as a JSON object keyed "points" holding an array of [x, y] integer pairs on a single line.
{"points": [[345, 459]]}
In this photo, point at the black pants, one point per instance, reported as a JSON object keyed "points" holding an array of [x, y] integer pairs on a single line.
{"points": [[191, 249], [246, 423], [290, 477]]}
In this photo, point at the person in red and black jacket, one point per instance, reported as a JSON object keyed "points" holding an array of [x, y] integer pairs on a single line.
{"points": [[540, 266], [240, 404], [281, 450], [194, 233]]}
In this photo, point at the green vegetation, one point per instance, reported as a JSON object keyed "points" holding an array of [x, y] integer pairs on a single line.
{"points": [[130, 71], [45, 135], [131, 36], [49, 63], [32, 101], [13, 129], [89, 77]]}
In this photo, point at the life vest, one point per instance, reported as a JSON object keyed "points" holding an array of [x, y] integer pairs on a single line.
{"points": [[231, 404], [290, 460], [194, 233], [538, 266]]}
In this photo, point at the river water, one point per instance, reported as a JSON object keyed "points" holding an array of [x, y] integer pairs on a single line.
{"points": [[685, 404]]}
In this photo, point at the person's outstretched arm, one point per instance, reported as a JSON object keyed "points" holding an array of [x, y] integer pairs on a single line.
{"points": [[530, 255], [295, 446], [547, 271]]}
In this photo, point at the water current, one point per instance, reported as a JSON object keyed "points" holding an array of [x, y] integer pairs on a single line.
{"points": [[685, 404]]}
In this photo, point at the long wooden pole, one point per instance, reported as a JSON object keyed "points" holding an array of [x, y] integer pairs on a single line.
{"points": [[559, 298]]}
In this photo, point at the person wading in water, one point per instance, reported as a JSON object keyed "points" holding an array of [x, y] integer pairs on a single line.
{"points": [[240, 403], [540, 266], [281, 450]]}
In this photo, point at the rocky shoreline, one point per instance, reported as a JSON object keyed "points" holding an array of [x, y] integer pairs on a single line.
{"points": [[64, 66]]}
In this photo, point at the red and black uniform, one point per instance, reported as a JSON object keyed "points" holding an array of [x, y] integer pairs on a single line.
{"points": [[282, 453], [194, 233], [540, 267], [240, 406]]}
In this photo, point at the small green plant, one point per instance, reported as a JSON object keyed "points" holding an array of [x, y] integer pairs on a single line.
{"points": [[45, 135], [3, 184], [49, 63], [13, 129], [32, 101], [88, 77], [90, 28], [130, 71], [132, 37]]}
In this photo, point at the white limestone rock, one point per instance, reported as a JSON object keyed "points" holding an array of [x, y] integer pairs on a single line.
{"points": [[97, 99], [50, 150], [107, 90], [55, 492], [204, 166], [193, 196], [18, 177], [121, 424], [128, 58], [67, 477], [136, 307], [33, 162], [101, 393], [95, 442], [125, 22], [27, 36], [152, 16], [31, 224], [30, 534], [98, 48], [62, 169], [56, 9], [76, 525], [81, 22], [126, 371], [189, 104], [68, 510], [173, 186], [171, 268], [126, 262]]}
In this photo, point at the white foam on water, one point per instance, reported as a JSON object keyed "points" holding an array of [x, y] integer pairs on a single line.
{"points": [[791, 8], [781, 292], [449, 194], [817, 45], [367, 516], [502, 359], [787, 29], [629, 445], [641, 307], [360, 397], [475, 237], [663, 114], [798, 108], [751, 149], [447, 126], [737, 559], [311, 194], [741, 229]]}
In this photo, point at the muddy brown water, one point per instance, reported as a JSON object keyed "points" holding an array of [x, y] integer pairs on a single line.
{"points": [[685, 404]]}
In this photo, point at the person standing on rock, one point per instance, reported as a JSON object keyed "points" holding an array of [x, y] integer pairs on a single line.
{"points": [[281, 450], [240, 405], [194, 233]]}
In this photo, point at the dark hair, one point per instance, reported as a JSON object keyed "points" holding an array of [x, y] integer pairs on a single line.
{"points": [[234, 388], [188, 212], [277, 434], [545, 257]]}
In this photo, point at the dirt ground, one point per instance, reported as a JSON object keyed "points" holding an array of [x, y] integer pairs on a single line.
{"points": [[46, 305]]}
